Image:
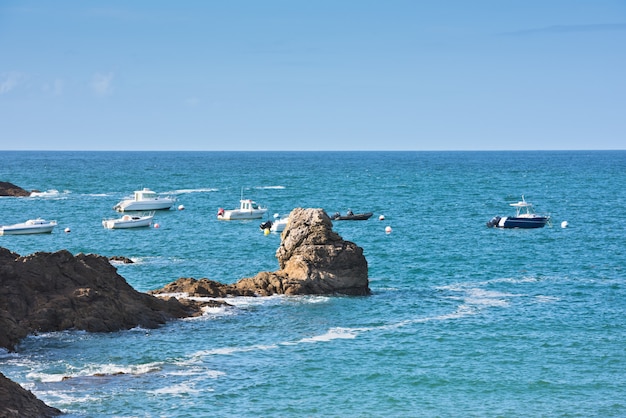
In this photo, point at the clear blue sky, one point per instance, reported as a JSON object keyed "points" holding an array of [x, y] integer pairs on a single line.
{"points": [[313, 75]]}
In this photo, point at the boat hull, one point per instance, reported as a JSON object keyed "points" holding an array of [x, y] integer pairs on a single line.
{"points": [[132, 205], [24, 229], [513, 222], [355, 217], [239, 215], [131, 222]]}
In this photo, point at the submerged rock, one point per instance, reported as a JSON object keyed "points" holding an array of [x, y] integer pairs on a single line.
{"points": [[313, 260]]}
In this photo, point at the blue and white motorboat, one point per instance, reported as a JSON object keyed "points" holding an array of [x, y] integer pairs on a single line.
{"points": [[525, 217]]}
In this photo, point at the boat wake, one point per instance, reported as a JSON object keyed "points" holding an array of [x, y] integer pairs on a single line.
{"points": [[188, 191]]}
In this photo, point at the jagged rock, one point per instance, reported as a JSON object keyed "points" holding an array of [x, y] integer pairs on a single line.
{"points": [[10, 189], [15, 401], [46, 292], [313, 260], [121, 259], [200, 288]]}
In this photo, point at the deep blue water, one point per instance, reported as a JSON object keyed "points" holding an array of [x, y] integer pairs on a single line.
{"points": [[463, 320]]}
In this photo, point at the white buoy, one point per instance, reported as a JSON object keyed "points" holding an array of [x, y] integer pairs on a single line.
{"points": [[381, 218], [181, 207], [67, 230], [388, 230], [157, 225], [564, 224]]}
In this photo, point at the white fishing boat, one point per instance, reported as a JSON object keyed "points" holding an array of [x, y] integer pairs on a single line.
{"points": [[145, 199], [248, 209], [31, 226], [129, 221]]}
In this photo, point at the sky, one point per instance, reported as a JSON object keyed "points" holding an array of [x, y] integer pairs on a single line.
{"points": [[313, 75]]}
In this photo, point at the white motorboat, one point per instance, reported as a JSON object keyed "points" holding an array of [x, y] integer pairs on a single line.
{"points": [[31, 226], [278, 225], [248, 209], [145, 199], [129, 221]]}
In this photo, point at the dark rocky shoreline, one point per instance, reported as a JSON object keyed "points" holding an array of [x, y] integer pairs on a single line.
{"points": [[45, 292]]}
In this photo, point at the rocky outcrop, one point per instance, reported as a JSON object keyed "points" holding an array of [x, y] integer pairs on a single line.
{"points": [[46, 292], [15, 401], [10, 189], [313, 260]]}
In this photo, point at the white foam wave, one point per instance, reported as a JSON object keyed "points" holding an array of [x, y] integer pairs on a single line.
{"points": [[196, 371], [52, 193], [269, 187], [59, 398], [96, 370], [233, 350], [486, 298], [463, 286], [248, 301], [546, 299], [176, 390], [200, 190], [333, 334]]}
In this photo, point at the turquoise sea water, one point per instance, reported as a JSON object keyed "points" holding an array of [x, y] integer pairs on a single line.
{"points": [[463, 320]]}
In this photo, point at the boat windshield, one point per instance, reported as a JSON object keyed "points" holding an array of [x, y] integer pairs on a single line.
{"points": [[146, 195]]}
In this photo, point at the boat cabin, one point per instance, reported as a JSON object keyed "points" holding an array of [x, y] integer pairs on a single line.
{"points": [[247, 204], [145, 194], [523, 209]]}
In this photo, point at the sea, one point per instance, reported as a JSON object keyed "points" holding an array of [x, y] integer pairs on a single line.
{"points": [[463, 320]]}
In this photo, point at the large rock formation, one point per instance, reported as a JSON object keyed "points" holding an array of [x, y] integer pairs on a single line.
{"points": [[313, 259], [15, 401], [10, 189], [46, 292]]}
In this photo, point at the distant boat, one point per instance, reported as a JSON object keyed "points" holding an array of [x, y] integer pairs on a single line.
{"points": [[349, 216], [278, 225], [31, 226], [129, 221], [525, 217], [145, 199], [248, 209]]}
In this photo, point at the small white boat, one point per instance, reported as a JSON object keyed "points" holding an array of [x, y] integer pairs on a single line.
{"points": [[248, 209], [145, 199], [278, 225], [31, 226], [129, 221]]}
